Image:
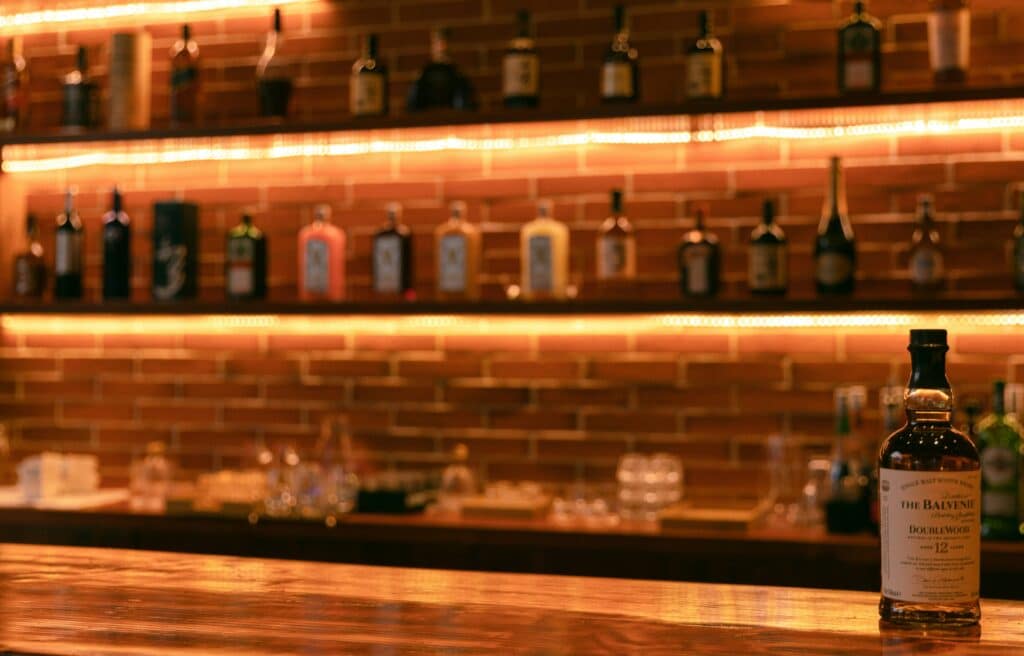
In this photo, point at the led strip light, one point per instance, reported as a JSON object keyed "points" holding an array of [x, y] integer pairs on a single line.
{"points": [[151, 10]]}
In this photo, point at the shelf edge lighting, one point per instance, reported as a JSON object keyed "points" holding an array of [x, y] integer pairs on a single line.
{"points": [[128, 10]]}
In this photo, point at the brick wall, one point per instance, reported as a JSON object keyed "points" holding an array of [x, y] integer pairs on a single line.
{"points": [[539, 402]]}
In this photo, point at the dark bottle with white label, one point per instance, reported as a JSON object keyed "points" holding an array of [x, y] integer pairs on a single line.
{"points": [[29, 266], [1018, 249], [616, 244], [392, 257], [860, 53], [927, 273], [768, 270], [520, 71], [80, 99], [68, 251], [185, 79], [368, 84], [835, 256], [175, 250], [117, 251], [245, 262], [620, 73], [930, 502], [705, 73], [999, 447], [272, 74], [699, 260]]}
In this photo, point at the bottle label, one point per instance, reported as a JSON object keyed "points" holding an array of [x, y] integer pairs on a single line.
{"points": [[926, 266], [451, 260], [387, 264], [696, 259], [704, 75], [834, 268], [612, 256], [949, 38], [858, 74], [25, 283], [617, 80], [169, 273], [317, 266], [521, 74], [240, 274], [858, 57], [540, 265], [767, 266], [930, 535], [998, 466], [68, 254], [366, 94]]}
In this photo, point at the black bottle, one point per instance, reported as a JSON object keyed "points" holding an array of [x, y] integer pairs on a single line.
{"points": [[392, 257], [860, 53], [768, 271], [440, 84], [275, 83], [68, 252], [245, 263], [620, 74], [699, 260], [79, 103], [521, 68], [835, 255], [117, 251]]}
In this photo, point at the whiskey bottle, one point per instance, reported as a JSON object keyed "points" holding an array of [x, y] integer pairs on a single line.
{"points": [[440, 84], [322, 258], [544, 255], [392, 257], [368, 84], [245, 262], [704, 69], [79, 96], [616, 244], [29, 266], [834, 253], [175, 250], [68, 251], [949, 40], [847, 508], [926, 261], [620, 79], [999, 448], [458, 256], [1018, 249], [699, 260], [117, 251], [15, 84], [273, 78], [930, 499], [520, 80], [768, 267], [185, 79], [860, 53]]}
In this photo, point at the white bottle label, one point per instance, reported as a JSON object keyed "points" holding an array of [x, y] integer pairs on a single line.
{"points": [[451, 261], [858, 62], [387, 264], [541, 276], [930, 535], [704, 75], [697, 265], [612, 256], [767, 266], [240, 274], [366, 94], [68, 254], [521, 74], [949, 39], [859, 74], [926, 266], [616, 80], [318, 266], [833, 268]]}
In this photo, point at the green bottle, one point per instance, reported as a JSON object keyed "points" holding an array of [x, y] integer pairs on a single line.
{"points": [[999, 442]]}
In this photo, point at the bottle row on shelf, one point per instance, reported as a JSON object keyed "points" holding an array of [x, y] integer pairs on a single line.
{"points": [[441, 84], [544, 254]]}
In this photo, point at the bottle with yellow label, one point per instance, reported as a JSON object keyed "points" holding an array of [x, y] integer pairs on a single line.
{"points": [[704, 70], [544, 255]]}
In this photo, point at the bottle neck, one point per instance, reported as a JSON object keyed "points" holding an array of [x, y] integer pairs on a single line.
{"points": [[999, 400], [699, 226], [928, 398], [616, 204], [834, 210], [524, 25], [858, 8], [439, 48], [83, 62], [704, 25]]}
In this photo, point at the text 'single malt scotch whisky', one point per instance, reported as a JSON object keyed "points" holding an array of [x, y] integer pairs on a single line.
{"points": [[930, 502]]}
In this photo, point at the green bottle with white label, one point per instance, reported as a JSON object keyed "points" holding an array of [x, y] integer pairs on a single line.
{"points": [[999, 447]]}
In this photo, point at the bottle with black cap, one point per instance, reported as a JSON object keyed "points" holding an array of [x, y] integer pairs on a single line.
{"points": [[117, 251]]}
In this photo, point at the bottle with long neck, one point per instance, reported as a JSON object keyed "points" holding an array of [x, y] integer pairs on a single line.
{"points": [[704, 70], [620, 74], [185, 79], [768, 266], [999, 447], [68, 251], [368, 84], [117, 251], [275, 82], [29, 266], [930, 499], [520, 80], [1018, 249], [834, 253], [79, 96], [616, 244], [14, 104], [860, 53], [927, 273], [440, 84]]}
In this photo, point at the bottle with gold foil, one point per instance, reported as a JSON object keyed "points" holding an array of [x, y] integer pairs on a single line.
{"points": [[616, 244], [458, 256], [544, 255]]}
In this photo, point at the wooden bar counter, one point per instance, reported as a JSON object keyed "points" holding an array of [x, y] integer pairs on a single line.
{"points": [[68, 600]]}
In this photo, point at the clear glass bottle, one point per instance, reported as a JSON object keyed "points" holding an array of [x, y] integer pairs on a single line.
{"points": [[520, 80], [392, 257], [79, 96], [768, 266], [272, 74], [999, 447], [458, 256], [544, 255], [949, 40], [322, 258], [927, 273], [117, 250], [1018, 249], [930, 500], [15, 84], [68, 251], [616, 244], [699, 260], [457, 482], [705, 74], [620, 73], [185, 80], [440, 84], [29, 266], [860, 53], [245, 262], [340, 486], [368, 84], [152, 480], [835, 255]]}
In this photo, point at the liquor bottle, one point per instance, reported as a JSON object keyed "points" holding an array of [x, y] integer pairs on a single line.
{"points": [[620, 78], [972, 410], [544, 255], [834, 252], [520, 80], [322, 248], [949, 40], [1018, 249], [926, 261], [768, 267], [275, 83], [458, 256], [457, 482], [440, 84], [185, 79], [29, 267], [392, 257], [699, 260], [616, 244], [175, 250], [368, 84], [846, 510], [79, 96], [117, 251], [860, 53], [68, 251], [999, 447], [245, 262], [704, 70], [930, 498], [14, 78]]}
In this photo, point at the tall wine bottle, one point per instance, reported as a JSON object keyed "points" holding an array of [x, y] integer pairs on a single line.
{"points": [[117, 251], [68, 251], [835, 256]]}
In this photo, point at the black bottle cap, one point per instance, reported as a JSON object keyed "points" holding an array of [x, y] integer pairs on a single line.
{"points": [[246, 220], [371, 45], [616, 201], [700, 215], [620, 18], [31, 223], [277, 19], [768, 211], [523, 19], [186, 32], [858, 7], [704, 22], [116, 201], [929, 338], [83, 59]]}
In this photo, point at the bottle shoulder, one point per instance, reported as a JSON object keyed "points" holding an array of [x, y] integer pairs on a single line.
{"points": [[926, 446], [764, 234]]}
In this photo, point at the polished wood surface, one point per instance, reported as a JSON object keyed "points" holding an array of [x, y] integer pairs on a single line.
{"points": [[60, 600]]}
